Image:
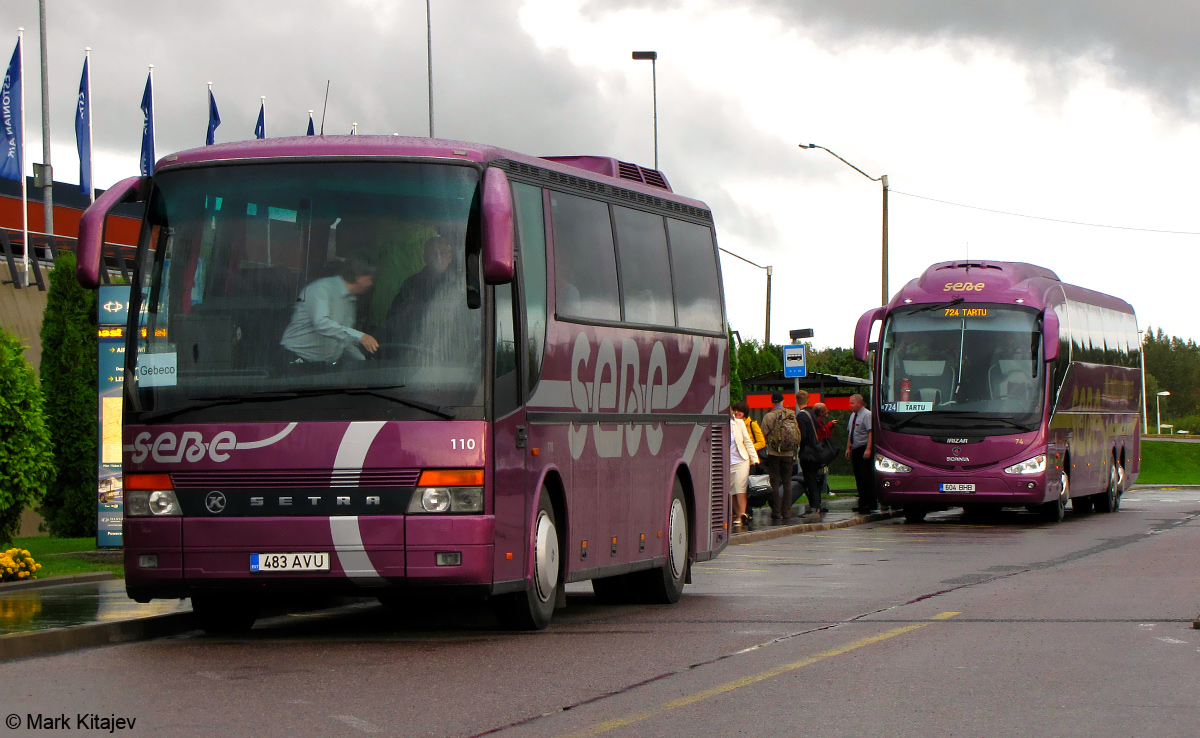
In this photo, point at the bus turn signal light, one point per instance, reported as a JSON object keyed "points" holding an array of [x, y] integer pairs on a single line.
{"points": [[451, 478]]}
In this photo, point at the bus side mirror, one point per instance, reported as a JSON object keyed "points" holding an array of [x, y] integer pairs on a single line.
{"points": [[862, 333], [1050, 335], [90, 244], [497, 227]]}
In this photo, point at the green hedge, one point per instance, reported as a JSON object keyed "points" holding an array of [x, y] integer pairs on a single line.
{"points": [[26, 463]]}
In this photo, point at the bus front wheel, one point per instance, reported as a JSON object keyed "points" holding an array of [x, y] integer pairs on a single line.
{"points": [[664, 585], [533, 608], [1055, 510]]}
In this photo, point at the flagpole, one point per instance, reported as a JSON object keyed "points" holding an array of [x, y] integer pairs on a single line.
{"points": [[47, 169], [21, 160], [87, 54], [429, 61], [153, 145]]}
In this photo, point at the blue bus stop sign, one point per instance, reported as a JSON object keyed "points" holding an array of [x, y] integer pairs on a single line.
{"points": [[795, 361]]}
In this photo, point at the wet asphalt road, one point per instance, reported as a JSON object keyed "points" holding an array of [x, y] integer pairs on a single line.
{"points": [[997, 628]]}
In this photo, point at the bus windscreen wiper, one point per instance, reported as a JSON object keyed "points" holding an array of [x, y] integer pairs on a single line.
{"points": [[988, 418], [937, 306], [374, 390], [202, 403]]}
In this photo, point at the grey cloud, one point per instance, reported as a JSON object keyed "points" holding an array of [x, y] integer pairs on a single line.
{"points": [[1150, 46]]}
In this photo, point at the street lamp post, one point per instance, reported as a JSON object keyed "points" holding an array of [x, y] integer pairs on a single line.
{"points": [[652, 57], [1158, 408], [770, 270], [882, 179]]}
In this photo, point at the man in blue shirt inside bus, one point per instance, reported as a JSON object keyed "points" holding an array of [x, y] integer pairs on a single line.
{"points": [[322, 328]]}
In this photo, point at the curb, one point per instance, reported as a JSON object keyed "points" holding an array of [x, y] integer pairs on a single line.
{"points": [[58, 640], [780, 531], [95, 576]]}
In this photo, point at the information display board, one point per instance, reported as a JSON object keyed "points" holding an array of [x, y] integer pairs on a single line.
{"points": [[112, 309]]}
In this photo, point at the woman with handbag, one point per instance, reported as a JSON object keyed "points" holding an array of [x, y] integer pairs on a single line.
{"points": [[741, 456]]}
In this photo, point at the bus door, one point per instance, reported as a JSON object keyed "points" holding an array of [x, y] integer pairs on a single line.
{"points": [[510, 441]]}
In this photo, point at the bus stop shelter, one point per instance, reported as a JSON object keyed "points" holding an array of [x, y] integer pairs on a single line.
{"points": [[832, 389]]}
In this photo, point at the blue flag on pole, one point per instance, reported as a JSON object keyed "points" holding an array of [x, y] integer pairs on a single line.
{"points": [[260, 128], [147, 159], [214, 120], [10, 120], [311, 131], [83, 132]]}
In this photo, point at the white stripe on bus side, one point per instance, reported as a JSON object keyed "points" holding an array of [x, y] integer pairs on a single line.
{"points": [[347, 537]]}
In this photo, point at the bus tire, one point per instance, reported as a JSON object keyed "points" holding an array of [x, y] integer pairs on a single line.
{"points": [[914, 514], [1106, 501], [1055, 510], [664, 585], [533, 608], [223, 614]]}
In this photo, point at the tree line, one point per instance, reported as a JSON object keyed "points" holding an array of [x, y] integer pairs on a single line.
{"points": [[1172, 365]]}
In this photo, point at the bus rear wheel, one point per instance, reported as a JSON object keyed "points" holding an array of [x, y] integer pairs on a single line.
{"points": [[224, 614], [664, 585], [533, 608], [1107, 500]]}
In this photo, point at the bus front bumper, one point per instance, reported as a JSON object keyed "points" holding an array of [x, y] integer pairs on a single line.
{"points": [[170, 557], [953, 489]]}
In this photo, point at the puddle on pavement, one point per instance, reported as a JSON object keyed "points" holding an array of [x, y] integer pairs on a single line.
{"points": [[69, 605]]}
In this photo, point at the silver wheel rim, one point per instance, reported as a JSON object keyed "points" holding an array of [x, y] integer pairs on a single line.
{"points": [[678, 538], [545, 557], [1066, 487]]}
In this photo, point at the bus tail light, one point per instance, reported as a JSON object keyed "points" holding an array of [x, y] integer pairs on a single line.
{"points": [[890, 466], [1036, 465]]}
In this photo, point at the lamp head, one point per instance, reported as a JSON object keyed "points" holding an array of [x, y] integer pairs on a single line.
{"points": [[645, 55]]}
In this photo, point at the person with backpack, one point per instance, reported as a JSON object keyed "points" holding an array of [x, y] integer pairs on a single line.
{"points": [[783, 438]]}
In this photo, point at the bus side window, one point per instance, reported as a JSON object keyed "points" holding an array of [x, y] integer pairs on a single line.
{"points": [[505, 389], [694, 273], [585, 266], [531, 258], [645, 267]]}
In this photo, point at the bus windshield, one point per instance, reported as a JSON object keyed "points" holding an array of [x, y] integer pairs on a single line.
{"points": [[962, 366], [309, 291]]}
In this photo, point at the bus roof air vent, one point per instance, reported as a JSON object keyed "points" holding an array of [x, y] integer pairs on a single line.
{"points": [[629, 171], [655, 178], [615, 168]]}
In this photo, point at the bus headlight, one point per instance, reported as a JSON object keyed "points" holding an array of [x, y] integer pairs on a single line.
{"points": [[1036, 465], [151, 502], [890, 466], [447, 499]]}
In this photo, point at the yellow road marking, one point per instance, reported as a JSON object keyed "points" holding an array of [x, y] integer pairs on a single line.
{"points": [[717, 568], [606, 726]]}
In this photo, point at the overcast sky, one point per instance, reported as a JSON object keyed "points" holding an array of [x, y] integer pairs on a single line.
{"points": [[1077, 110]]}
